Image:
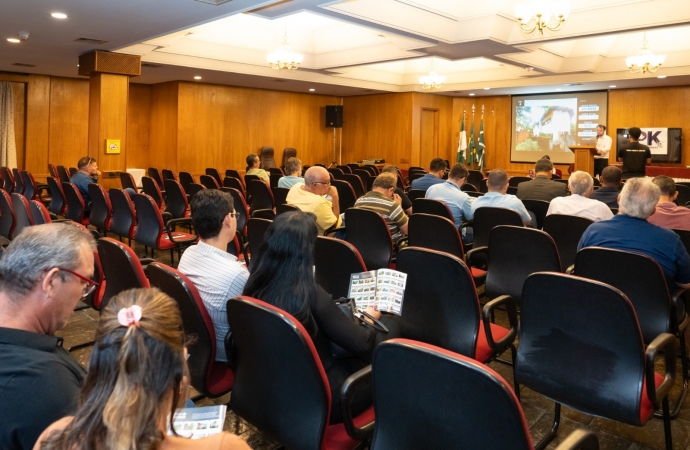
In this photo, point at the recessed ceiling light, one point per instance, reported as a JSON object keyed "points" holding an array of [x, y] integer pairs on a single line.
{"points": [[197, 77], [471, 94], [559, 89], [59, 15], [612, 86], [311, 89], [13, 40], [486, 89], [661, 76]]}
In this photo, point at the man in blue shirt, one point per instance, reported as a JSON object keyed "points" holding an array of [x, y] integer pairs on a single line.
{"points": [[88, 173], [449, 192], [435, 176], [497, 185], [293, 169], [630, 231]]}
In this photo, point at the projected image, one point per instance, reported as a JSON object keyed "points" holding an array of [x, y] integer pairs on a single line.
{"points": [[545, 125]]}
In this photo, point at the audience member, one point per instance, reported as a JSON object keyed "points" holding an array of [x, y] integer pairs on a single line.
{"points": [[253, 168], [44, 273], [578, 204], [437, 169], [542, 187], [137, 377], [216, 273], [635, 156], [630, 231], [284, 277], [667, 213], [88, 173], [610, 187], [406, 203], [383, 200], [293, 168], [309, 197], [449, 192], [603, 147], [497, 185]]}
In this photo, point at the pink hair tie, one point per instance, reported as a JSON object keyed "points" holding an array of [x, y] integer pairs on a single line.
{"points": [[129, 316]]}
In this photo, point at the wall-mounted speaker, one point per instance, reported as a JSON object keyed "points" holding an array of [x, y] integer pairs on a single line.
{"points": [[334, 116]]}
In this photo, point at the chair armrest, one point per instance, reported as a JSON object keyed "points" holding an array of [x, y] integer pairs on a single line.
{"points": [[228, 343], [570, 270], [472, 254], [580, 440], [170, 228], [334, 230], [399, 242], [347, 391], [166, 216], [509, 303], [665, 342], [678, 296]]}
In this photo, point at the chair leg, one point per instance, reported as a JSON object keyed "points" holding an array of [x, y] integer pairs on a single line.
{"points": [[554, 429], [667, 424], [172, 257], [686, 378], [513, 354]]}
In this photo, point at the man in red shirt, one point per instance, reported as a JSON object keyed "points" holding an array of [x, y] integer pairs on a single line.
{"points": [[668, 214]]}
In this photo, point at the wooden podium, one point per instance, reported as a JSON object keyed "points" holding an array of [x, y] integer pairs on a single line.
{"points": [[584, 157]]}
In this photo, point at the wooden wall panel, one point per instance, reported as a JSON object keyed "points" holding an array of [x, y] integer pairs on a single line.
{"points": [[19, 100], [138, 126], [38, 125], [108, 95], [444, 105], [163, 126], [69, 121]]}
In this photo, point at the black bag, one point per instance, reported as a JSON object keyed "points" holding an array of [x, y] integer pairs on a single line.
{"points": [[349, 308]]}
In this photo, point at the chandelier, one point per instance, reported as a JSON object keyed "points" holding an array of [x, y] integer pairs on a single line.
{"points": [[284, 58], [645, 60], [542, 13], [432, 80]]}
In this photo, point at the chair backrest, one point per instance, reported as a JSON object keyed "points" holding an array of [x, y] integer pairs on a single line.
{"points": [[346, 194], [22, 213], [334, 261], [63, 174], [39, 213], [264, 214], [684, 238], [262, 197], [356, 183], [469, 187], [288, 153], [280, 195], [475, 178], [276, 361], [431, 206], [436, 233], [18, 182], [52, 171], [256, 229], [602, 372], [121, 268], [150, 226], [123, 220], [488, 217], [275, 171], [196, 321], [683, 195], [30, 186], [101, 207], [401, 363], [8, 220], [72, 171], [248, 186], [373, 169], [337, 173], [8, 179], [127, 181], [280, 209], [240, 205], [176, 199], [168, 175], [414, 194], [233, 174], [156, 176], [215, 174], [152, 189], [209, 181], [640, 278], [235, 183], [514, 181], [266, 157], [539, 208], [364, 175], [274, 179], [566, 231], [368, 232], [345, 169], [75, 204], [186, 179]]}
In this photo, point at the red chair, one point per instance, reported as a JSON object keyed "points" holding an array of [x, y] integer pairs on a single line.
{"points": [[369, 233], [8, 220], [215, 174], [76, 208], [22, 213], [127, 181], [150, 188], [57, 204], [39, 213], [122, 269], [101, 208], [334, 261], [53, 172], [18, 182], [209, 181], [177, 203], [156, 175]]}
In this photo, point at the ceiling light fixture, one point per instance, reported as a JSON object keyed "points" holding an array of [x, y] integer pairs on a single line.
{"points": [[432, 80], [542, 12], [645, 60], [612, 86], [472, 94], [312, 89], [661, 76], [197, 77], [284, 57], [59, 15], [13, 40]]}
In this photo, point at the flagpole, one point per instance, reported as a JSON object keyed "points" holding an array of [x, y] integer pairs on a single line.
{"points": [[473, 146]]}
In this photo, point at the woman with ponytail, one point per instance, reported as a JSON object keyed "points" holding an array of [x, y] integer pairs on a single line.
{"points": [[136, 380]]}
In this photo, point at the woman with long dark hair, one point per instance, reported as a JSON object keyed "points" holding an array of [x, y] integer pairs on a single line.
{"points": [[135, 382], [284, 277]]}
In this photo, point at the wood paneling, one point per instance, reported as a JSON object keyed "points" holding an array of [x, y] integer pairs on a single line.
{"points": [[19, 100], [37, 125], [444, 106], [69, 121], [163, 126], [138, 126], [108, 95]]}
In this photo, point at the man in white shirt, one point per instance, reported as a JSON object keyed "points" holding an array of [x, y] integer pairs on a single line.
{"points": [[217, 275], [578, 204], [601, 160]]}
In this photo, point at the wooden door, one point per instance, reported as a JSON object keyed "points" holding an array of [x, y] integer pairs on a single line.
{"points": [[428, 148]]}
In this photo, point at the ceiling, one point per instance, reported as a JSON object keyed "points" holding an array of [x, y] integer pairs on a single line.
{"points": [[355, 47]]}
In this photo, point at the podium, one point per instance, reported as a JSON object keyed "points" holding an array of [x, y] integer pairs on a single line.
{"points": [[584, 157]]}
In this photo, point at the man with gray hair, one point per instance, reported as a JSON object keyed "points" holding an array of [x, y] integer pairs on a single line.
{"points": [[579, 203], [293, 169], [309, 197], [630, 231], [44, 273]]}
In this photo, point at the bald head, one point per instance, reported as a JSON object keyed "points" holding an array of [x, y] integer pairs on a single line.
{"points": [[315, 174]]}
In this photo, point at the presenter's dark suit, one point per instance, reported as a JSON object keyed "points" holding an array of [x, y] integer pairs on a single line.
{"points": [[541, 188]]}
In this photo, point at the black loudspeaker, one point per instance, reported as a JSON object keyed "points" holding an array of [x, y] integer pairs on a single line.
{"points": [[334, 116]]}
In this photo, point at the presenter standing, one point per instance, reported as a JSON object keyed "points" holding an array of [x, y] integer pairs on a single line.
{"points": [[603, 144]]}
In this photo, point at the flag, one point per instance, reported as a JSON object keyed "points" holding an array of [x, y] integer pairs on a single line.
{"points": [[479, 158], [472, 147], [462, 142]]}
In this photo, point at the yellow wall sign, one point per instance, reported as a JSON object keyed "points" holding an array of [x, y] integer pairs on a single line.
{"points": [[112, 146]]}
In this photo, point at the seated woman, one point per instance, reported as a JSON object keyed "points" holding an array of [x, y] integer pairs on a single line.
{"points": [[284, 277], [136, 379], [253, 163]]}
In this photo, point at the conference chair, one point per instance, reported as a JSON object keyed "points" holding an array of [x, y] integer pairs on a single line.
{"points": [[566, 232], [431, 206], [123, 221], [209, 181], [488, 217], [210, 377], [40, 214], [8, 221], [539, 208], [233, 174], [280, 195], [281, 209], [683, 195], [356, 183], [63, 174], [288, 153], [151, 188], [373, 169], [7, 179], [334, 261], [248, 186], [101, 208], [345, 169], [235, 183], [256, 229], [186, 179], [514, 181], [368, 232], [168, 175], [606, 370], [266, 157], [475, 178], [684, 238], [261, 198], [156, 176], [275, 171], [72, 171], [52, 171], [22, 213], [414, 194], [18, 182], [215, 174], [413, 176], [346, 194], [122, 269], [276, 361], [176, 200], [241, 208], [469, 187], [32, 190], [76, 208], [365, 176], [336, 173], [483, 186], [127, 181], [274, 178]]}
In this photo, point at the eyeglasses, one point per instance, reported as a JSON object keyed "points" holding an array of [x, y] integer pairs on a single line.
{"points": [[327, 183], [90, 284], [234, 215]]}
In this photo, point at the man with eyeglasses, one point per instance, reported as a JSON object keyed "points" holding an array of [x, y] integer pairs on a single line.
{"points": [[309, 197], [217, 275], [88, 173], [44, 273]]}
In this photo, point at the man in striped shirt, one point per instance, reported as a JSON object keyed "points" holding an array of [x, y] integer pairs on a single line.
{"points": [[217, 274], [383, 200]]}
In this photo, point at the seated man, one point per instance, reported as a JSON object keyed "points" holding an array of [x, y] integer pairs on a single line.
{"points": [[610, 187], [542, 187], [667, 213], [44, 273], [406, 202], [293, 168], [217, 274], [383, 200], [630, 231], [578, 204], [309, 197], [437, 169], [253, 168], [88, 173], [450, 193], [497, 185], [635, 156]]}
